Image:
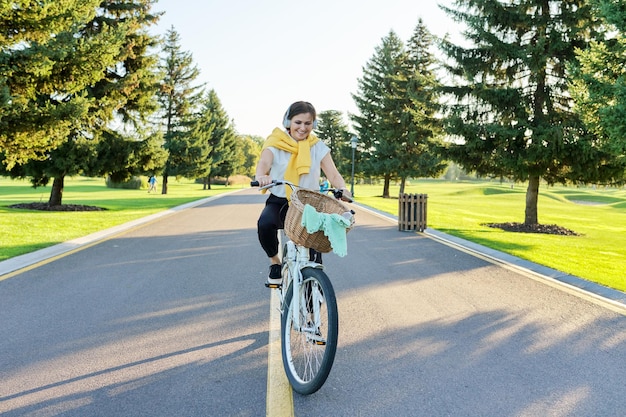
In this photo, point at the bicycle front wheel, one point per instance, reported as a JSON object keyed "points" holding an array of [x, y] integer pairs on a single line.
{"points": [[309, 336]]}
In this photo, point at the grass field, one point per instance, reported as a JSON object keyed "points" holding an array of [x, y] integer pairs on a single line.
{"points": [[458, 208], [24, 231], [462, 208]]}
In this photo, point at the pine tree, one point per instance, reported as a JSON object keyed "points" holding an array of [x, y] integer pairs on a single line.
{"points": [[399, 132], [513, 112], [599, 89], [108, 59], [251, 148], [42, 74], [333, 131], [375, 99], [180, 101], [125, 96], [225, 153], [420, 128]]}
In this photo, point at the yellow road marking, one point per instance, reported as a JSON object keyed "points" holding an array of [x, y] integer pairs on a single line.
{"points": [[279, 401]]}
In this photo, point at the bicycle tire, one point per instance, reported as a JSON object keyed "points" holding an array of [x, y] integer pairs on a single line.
{"points": [[308, 355]]}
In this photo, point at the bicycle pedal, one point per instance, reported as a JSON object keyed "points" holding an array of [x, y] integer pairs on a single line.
{"points": [[273, 286], [320, 342]]}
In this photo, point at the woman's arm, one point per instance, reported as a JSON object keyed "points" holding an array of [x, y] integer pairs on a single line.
{"points": [[333, 175], [263, 167]]}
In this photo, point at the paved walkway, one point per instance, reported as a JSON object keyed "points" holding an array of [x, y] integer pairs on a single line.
{"points": [[141, 317]]}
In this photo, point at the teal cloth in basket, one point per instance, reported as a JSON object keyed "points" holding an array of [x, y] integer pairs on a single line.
{"points": [[333, 225]]}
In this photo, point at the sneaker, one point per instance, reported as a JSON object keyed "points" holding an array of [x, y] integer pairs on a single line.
{"points": [[275, 277]]}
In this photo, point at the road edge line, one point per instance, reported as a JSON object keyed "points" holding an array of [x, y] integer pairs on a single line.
{"points": [[607, 297]]}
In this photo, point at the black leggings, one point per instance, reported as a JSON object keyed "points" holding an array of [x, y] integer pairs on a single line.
{"points": [[273, 218]]}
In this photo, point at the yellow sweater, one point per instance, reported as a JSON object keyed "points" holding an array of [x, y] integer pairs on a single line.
{"points": [[300, 161]]}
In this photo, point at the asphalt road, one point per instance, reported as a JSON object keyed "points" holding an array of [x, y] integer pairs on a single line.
{"points": [[171, 318]]}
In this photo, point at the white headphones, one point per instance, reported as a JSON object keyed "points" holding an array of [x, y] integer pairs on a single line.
{"points": [[287, 121]]}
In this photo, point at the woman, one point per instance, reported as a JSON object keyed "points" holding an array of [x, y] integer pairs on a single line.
{"points": [[296, 155]]}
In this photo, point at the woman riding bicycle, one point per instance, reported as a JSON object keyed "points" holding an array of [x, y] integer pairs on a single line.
{"points": [[296, 155]]}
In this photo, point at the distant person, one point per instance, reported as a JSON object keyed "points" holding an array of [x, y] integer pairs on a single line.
{"points": [[324, 185], [152, 181]]}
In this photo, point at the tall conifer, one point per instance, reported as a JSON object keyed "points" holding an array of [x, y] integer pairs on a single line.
{"points": [[513, 114], [599, 88], [332, 130], [399, 132], [378, 109], [93, 74], [226, 156], [39, 100], [180, 98], [420, 125]]}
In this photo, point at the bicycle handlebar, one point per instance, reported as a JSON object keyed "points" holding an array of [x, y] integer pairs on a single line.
{"points": [[337, 193]]}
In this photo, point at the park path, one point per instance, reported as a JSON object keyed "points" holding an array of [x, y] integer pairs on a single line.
{"points": [[171, 318]]}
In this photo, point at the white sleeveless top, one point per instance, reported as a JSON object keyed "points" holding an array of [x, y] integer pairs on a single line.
{"points": [[310, 180]]}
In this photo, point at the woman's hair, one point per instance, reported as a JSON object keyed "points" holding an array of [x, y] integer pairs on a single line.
{"points": [[300, 107]]}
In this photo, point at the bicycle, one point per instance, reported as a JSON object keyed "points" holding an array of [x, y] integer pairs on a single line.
{"points": [[310, 320]]}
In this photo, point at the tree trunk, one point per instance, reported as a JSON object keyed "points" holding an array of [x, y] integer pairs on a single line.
{"points": [[532, 195], [402, 185], [386, 186], [56, 194], [164, 186]]}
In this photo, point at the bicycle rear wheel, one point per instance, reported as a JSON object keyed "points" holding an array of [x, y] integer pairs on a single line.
{"points": [[308, 353]]}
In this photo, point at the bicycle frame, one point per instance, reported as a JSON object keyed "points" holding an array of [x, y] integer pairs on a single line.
{"points": [[296, 259]]}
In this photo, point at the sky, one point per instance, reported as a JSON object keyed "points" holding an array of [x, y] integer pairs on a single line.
{"points": [[262, 55]]}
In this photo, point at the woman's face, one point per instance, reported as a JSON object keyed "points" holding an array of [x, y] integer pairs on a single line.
{"points": [[301, 126]]}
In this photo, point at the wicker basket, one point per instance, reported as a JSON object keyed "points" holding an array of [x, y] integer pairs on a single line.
{"points": [[293, 221]]}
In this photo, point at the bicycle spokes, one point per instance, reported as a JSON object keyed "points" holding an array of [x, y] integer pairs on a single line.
{"points": [[310, 331]]}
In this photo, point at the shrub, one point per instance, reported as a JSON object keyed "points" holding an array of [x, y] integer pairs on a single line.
{"points": [[232, 180], [135, 183]]}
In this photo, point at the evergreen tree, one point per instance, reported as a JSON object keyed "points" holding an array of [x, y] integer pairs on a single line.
{"points": [[125, 96], [399, 132], [419, 128], [513, 112], [333, 131], [599, 88], [238, 159], [110, 59], [42, 74], [379, 113], [180, 101], [226, 155], [251, 147]]}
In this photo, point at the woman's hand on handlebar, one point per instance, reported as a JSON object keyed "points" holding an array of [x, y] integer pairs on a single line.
{"points": [[270, 184], [264, 180], [342, 194]]}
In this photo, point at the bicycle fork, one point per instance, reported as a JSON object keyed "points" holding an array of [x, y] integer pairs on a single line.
{"points": [[297, 258]]}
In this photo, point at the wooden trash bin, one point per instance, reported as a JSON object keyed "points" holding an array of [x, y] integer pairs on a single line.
{"points": [[412, 212]]}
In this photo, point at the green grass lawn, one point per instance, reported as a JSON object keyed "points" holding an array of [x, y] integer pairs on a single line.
{"points": [[457, 208], [462, 208], [24, 231]]}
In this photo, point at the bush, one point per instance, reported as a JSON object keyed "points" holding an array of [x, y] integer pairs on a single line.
{"points": [[135, 183], [239, 179], [232, 180]]}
